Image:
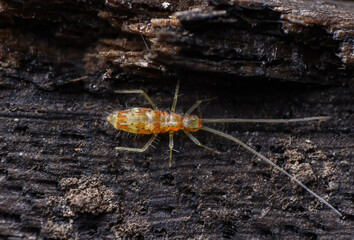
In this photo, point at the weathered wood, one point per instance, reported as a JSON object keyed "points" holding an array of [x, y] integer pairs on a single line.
{"points": [[278, 40], [60, 177]]}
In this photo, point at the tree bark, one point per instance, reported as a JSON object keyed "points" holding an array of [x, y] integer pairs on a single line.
{"points": [[61, 61]]}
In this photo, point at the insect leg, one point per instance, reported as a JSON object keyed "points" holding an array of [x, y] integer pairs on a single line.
{"points": [[171, 146], [173, 108], [143, 149], [195, 105], [140, 92], [196, 141], [272, 164]]}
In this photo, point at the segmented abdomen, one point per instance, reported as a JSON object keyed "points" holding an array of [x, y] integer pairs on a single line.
{"points": [[146, 121]]}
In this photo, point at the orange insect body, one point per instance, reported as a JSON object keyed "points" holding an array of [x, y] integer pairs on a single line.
{"points": [[149, 121], [153, 121]]}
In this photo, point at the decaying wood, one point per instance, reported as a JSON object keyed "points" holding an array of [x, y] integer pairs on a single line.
{"points": [[60, 61]]}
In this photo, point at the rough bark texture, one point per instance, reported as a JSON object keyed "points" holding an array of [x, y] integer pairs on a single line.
{"points": [[60, 176]]}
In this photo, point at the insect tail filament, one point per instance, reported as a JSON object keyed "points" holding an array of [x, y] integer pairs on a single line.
{"points": [[227, 136]]}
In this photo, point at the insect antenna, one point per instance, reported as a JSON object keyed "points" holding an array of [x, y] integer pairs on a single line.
{"points": [[241, 120], [227, 136]]}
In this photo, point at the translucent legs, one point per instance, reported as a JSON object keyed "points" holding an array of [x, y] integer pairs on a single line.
{"points": [[146, 146], [171, 147], [196, 141], [139, 92], [195, 105], [143, 149], [173, 109]]}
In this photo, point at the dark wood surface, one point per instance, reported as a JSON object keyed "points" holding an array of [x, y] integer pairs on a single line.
{"points": [[60, 176]]}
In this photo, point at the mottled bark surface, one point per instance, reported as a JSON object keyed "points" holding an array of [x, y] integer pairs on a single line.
{"points": [[60, 176]]}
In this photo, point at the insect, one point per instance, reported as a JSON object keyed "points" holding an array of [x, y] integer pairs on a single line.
{"points": [[153, 121]]}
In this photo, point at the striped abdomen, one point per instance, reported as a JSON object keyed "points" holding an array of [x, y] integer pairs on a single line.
{"points": [[145, 121]]}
